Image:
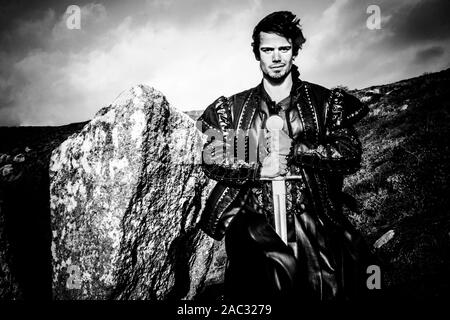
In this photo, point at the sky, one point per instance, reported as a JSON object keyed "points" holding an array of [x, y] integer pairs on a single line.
{"points": [[194, 51]]}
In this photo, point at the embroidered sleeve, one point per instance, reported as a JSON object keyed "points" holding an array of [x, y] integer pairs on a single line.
{"points": [[341, 151], [219, 160], [343, 110]]}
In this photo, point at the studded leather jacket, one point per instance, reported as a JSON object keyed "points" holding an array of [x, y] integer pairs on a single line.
{"points": [[325, 148]]}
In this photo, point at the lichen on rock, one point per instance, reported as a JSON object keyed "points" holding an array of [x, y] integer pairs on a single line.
{"points": [[126, 196]]}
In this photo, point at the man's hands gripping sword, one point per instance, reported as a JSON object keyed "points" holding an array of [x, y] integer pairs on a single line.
{"points": [[278, 144]]}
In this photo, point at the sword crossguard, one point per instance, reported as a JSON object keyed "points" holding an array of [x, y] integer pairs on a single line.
{"points": [[282, 178]]}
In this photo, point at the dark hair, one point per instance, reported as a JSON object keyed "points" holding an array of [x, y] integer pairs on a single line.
{"points": [[283, 23]]}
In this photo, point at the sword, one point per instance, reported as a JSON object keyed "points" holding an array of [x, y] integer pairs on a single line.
{"points": [[275, 124]]}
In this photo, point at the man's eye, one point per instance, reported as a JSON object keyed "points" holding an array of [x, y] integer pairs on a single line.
{"points": [[266, 50], [285, 49]]}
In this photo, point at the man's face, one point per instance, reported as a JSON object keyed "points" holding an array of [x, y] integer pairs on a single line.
{"points": [[275, 55]]}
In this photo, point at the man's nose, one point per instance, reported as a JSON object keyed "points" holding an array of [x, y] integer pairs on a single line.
{"points": [[276, 56]]}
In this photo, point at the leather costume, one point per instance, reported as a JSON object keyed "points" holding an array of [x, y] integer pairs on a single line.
{"points": [[326, 257]]}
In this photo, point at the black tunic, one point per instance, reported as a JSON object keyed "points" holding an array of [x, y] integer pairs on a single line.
{"points": [[326, 258]]}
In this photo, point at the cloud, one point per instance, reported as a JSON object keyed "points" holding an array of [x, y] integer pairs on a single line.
{"points": [[92, 16], [51, 87], [342, 50], [28, 35], [428, 54], [422, 22], [195, 50], [33, 59]]}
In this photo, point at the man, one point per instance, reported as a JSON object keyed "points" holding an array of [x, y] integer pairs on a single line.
{"points": [[325, 258]]}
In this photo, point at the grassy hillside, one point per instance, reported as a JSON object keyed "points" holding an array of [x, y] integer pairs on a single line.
{"points": [[404, 182]]}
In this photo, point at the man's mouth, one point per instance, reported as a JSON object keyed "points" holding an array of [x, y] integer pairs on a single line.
{"points": [[277, 66]]}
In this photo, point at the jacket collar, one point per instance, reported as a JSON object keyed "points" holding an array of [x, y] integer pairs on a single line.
{"points": [[252, 102]]}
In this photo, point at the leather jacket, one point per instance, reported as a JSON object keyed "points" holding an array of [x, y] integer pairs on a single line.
{"points": [[324, 150]]}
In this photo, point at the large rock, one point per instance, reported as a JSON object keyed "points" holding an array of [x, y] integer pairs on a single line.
{"points": [[126, 194]]}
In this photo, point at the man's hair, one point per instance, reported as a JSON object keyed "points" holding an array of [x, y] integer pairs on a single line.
{"points": [[283, 23]]}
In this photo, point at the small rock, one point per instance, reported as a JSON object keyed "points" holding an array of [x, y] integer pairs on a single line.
{"points": [[27, 149], [3, 158], [404, 107], [19, 158], [374, 91], [6, 170], [385, 238]]}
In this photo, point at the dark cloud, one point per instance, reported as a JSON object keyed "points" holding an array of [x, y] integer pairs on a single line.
{"points": [[20, 36], [52, 75], [15, 13], [27, 29], [426, 21], [429, 54], [30, 25]]}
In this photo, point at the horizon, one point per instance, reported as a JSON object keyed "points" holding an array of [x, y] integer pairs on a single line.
{"points": [[195, 51]]}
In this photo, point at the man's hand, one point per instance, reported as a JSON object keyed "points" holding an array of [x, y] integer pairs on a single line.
{"points": [[279, 143], [273, 166]]}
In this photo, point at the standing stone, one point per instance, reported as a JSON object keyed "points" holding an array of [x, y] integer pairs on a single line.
{"points": [[126, 194]]}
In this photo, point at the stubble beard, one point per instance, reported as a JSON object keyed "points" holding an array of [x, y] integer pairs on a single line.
{"points": [[275, 77]]}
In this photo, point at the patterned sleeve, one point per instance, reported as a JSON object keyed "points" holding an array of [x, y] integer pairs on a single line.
{"points": [[341, 151], [219, 160]]}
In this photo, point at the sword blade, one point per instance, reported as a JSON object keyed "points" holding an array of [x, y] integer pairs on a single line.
{"points": [[279, 206]]}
